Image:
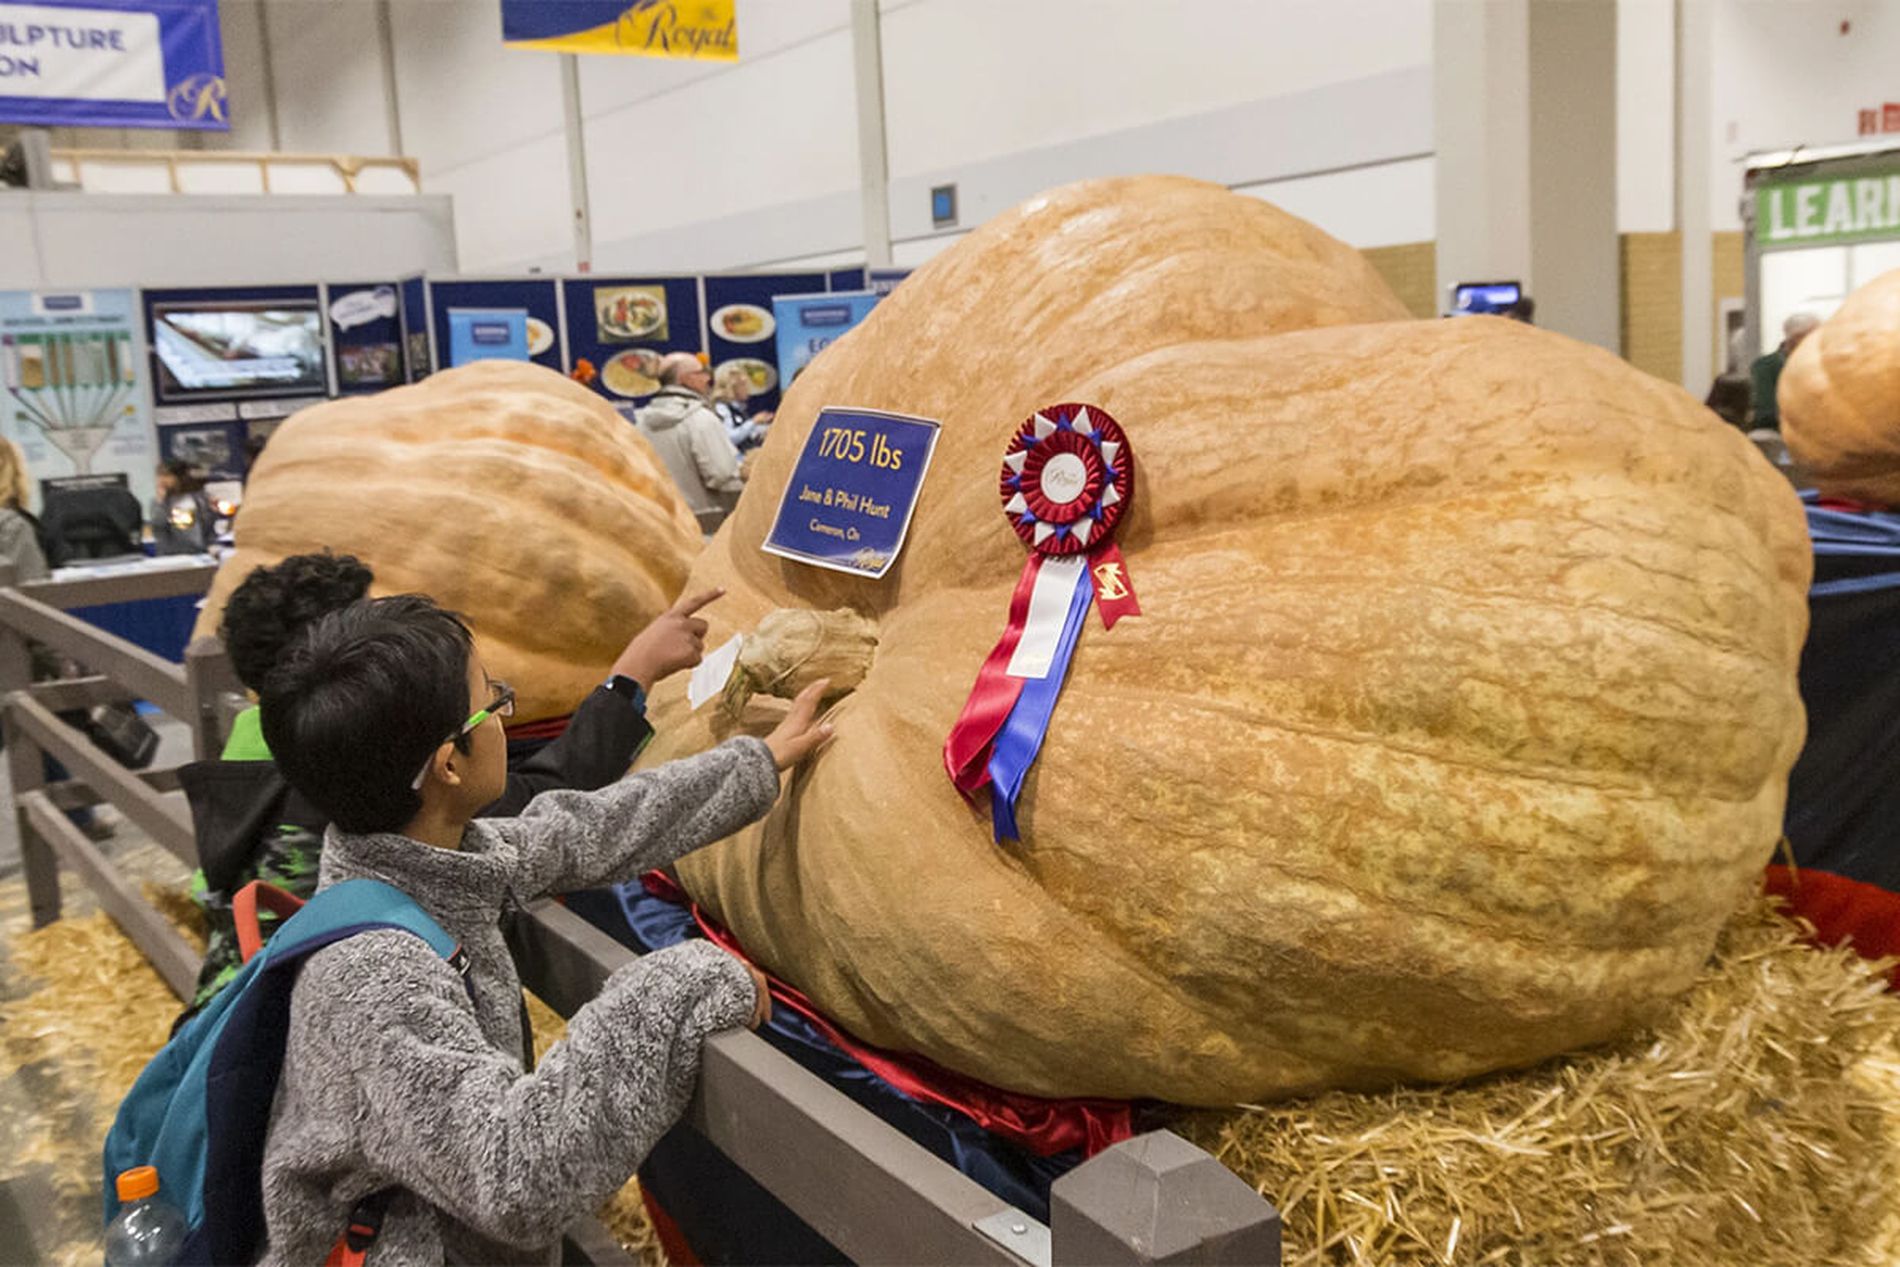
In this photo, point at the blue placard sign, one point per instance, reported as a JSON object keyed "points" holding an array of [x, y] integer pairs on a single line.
{"points": [[113, 64], [851, 496], [484, 334], [807, 324]]}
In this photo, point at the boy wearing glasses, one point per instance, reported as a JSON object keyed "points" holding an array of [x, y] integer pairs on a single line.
{"points": [[250, 825], [404, 1088]]}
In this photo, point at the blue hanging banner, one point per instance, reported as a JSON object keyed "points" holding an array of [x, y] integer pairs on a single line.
{"points": [[113, 64]]}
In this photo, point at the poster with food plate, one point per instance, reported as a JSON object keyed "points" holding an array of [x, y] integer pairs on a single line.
{"points": [[633, 374], [742, 323], [742, 329], [625, 314]]}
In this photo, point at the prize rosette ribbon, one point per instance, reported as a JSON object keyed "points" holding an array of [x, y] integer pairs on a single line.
{"points": [[1068, 477]]}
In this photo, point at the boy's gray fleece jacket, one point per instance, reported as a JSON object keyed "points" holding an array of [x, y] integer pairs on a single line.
{"points": [[394, 1078]]}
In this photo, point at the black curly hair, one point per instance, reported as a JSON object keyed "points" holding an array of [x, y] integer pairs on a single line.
{"points": [[272, 605]]}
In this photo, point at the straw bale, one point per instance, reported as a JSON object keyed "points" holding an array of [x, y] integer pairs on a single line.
{"points": [[1759, 1123], [83, 1011]]}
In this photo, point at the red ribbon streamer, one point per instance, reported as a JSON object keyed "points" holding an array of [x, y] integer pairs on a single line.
{"points": [[966, 752], [1114, 591]]}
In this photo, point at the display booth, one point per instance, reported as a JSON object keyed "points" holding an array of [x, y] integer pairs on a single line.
{"points": [[1818, 223]]}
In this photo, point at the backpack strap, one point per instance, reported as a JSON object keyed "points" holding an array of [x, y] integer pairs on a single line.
{"points": [[250, 934], [366, 1224]]}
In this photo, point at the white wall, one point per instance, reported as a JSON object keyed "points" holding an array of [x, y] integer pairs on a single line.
{"points": [[1785, 75], [710, 165], [75, 240], [326, 63], [485, 124]]}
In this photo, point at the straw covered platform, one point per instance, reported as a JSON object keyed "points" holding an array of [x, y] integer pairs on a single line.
{"points": [[1758, 1124]]}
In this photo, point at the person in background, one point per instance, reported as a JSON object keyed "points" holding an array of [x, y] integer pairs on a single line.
{"points": [[1765, 373], [19, 531], [732, 388], [183, 521], [249, 823], [1523, 308], [1728, 399], [691, 439], [21, 550]]}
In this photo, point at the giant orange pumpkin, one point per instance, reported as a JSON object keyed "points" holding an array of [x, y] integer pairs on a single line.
{"points": [[502, 490], [1840, 397], [1456, 723]]}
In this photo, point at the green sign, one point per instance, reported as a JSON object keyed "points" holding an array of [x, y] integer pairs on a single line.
{"points": [[1827, 211]]}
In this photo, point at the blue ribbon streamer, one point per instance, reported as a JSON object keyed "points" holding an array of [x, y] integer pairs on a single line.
{"points": [[1020, 740]]}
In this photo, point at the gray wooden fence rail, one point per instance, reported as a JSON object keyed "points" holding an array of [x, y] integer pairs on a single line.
{"points": [[863, 1185]]}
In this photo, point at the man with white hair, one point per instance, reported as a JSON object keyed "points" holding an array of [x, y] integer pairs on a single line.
{"points": [[691, 440], [1765, 373]]}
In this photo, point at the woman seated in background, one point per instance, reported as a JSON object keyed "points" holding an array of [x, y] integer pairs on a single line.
{"points": [[732, 388], [182, 519]]}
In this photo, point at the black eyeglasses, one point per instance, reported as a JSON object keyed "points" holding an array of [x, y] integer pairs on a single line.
{"points": [[503, 705]]}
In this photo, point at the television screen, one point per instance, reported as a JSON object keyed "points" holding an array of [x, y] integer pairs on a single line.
{"points": [[225, 350], [1468, 298]]}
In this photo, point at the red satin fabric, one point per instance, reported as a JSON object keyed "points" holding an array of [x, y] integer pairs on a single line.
{"points": [[1843, 910], [966, 751], [1044, 1127], [672, 1240]]}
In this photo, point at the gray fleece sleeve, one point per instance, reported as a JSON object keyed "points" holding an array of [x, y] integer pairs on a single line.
{"points": [[576, 840], [514, 1156]]}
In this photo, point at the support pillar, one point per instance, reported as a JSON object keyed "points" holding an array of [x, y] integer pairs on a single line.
{"points": [[1524, 122]]}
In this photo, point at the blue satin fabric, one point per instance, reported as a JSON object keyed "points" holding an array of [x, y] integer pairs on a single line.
{"points": [[1021, 737]]}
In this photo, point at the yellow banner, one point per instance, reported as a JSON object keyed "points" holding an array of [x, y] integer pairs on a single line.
{"points": [[706, 30]]}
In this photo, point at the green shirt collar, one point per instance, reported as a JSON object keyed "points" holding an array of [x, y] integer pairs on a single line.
{"points": [[247, 738]]}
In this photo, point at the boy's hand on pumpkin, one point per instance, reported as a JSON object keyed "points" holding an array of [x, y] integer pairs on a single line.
{"points": [[801, 733], [761, 1000], [675, 640]]}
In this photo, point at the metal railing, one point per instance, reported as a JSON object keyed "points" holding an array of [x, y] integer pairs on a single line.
{"points": [[855, 1179]]}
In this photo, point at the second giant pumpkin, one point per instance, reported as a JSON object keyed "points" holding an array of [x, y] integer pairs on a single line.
{"points": [[502, 490], [1456, 722], [1840, 397]]}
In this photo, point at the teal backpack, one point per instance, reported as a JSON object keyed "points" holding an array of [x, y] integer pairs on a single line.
{"points": [[201, 1109]]}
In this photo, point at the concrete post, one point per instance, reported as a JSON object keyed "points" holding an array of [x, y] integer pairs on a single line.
{"points": [[1159, 1199]]}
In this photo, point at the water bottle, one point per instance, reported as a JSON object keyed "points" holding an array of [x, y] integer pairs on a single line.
{"points": [[148, 1232]]}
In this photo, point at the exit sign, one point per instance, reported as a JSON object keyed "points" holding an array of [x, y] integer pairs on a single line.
{"points": [[1885, 119]]}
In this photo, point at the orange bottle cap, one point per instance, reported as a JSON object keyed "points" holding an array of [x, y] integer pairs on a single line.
{"points": [[137, 1183]]}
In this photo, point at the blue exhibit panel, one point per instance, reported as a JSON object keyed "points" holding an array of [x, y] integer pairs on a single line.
{"points": [[160, 625], [413, 293], [740, 325], [539, 299], [366, 337], [622, 326], [846, 279]]}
